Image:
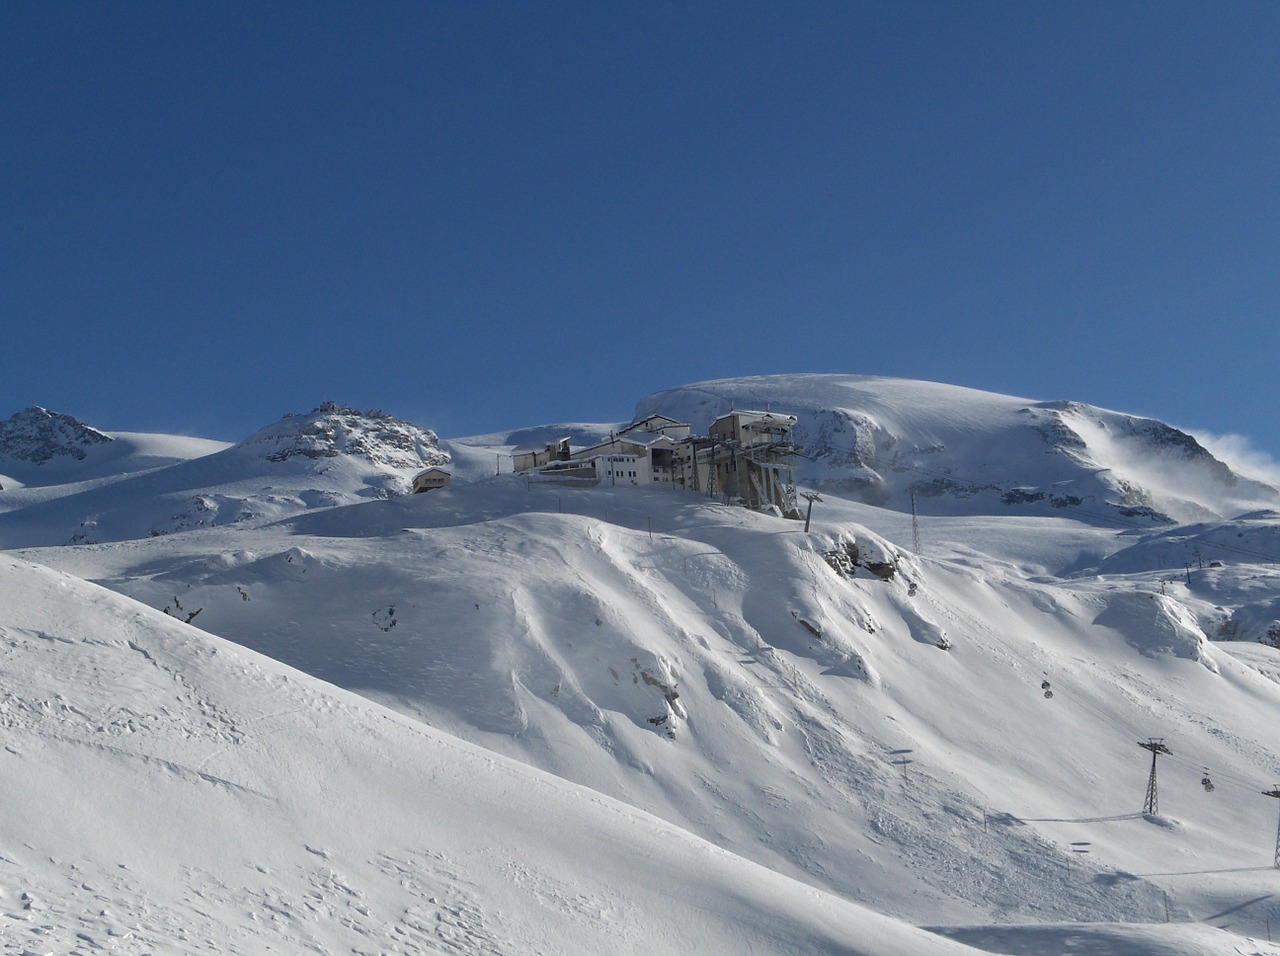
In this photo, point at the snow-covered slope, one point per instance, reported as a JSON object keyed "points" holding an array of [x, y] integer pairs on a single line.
{"points": [[886, 740], [333, 455], [165, 792], [838, 706], [963, 451]]}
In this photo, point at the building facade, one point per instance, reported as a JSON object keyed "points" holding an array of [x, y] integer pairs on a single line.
{"points": [[431, 479]]}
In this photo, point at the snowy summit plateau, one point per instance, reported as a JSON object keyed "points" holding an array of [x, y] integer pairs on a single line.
{"points": [[794, 664]]}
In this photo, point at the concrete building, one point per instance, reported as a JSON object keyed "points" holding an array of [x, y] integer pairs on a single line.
{"points": [[525, 458], [430, 479]]}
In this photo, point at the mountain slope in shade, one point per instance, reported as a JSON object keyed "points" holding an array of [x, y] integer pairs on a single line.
{"points": [[333, 455], [964, 451], [166, 792]]}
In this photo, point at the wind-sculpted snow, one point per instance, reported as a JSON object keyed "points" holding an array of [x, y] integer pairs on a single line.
{"points": [[1157, 624], [166, 792], [882, 736], [963, 451]]}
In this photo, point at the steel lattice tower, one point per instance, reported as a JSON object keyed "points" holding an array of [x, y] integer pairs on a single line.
{"points": [[915, 527], [1152, 804], [1276, 860]]}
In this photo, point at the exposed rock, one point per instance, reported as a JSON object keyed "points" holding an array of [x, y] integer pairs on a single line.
{"points": [[38, 435], [331, 430]]}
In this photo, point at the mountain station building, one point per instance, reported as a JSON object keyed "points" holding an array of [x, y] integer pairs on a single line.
{"points": [[747, 457]]}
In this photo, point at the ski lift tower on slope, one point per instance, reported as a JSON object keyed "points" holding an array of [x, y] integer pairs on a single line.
{"points": [[1275, 792], [1156, 745]]}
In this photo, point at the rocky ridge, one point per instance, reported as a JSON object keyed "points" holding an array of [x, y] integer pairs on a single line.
{"points": [[39, 436], [331, 430]]}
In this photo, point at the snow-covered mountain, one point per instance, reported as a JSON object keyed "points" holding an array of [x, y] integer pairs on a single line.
{"points": [[946, 734], [330, 456], [964, 451], [38, 436], [45, 454]]}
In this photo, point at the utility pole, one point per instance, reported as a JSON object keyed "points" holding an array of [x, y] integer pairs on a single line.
{"points": [[915, 527], [1276, 861], [811, 498], [1152, 805]]}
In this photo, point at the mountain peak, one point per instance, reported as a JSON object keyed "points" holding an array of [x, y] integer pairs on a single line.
{"points": [[330, 430], [38, 435]]}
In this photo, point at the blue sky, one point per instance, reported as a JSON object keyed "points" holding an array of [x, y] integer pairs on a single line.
{"points": [[482, 215]]}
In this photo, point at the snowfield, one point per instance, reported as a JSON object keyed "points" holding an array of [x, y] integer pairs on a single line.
{"points": [[167, 792], [512, 717]]}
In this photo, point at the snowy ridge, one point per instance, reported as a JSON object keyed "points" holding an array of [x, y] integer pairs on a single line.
{"points": [[333, 455], [964, 451], [331, 430]]}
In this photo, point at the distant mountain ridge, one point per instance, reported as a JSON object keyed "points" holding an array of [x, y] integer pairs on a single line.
{"points": [[329, 456], [880, 440], [960, 450]]}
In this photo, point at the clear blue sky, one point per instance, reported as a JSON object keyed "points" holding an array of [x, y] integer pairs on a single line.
{"points": [[481, 215]]}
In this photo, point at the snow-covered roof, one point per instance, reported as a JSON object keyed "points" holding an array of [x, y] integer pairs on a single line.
{"points": [[639, 439], [652, 418], [538, 449], [746, 416]]}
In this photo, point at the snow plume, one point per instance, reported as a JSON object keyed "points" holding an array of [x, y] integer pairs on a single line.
{"points": [[1239, 452]]}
